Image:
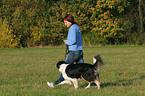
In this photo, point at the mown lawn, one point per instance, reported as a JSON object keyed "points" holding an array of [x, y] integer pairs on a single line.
{"points": [[24, 72]]}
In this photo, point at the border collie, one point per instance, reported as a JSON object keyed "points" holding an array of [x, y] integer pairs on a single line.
{"points": [[88, 72]]}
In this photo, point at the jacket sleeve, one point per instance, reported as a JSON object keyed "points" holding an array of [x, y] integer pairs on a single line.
{"points": [[71, 39]]}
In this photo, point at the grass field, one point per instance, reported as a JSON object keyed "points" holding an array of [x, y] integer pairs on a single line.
{"points": [[24, 72]]}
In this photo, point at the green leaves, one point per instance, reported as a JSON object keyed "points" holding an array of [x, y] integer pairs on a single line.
{"points": [[106, 20], [43, 19], [7, 39]]}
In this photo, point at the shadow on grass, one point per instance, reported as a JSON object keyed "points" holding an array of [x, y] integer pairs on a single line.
{"points": [[118, 83], [122, 82]]}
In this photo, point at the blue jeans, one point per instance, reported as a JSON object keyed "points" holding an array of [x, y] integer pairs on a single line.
{"points": [[73, 56]]}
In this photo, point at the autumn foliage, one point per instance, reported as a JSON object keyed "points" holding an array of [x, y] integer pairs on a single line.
{"points": [[26, 23]]}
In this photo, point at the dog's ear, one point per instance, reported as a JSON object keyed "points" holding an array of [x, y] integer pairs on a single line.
{"points": [[59, 63]]}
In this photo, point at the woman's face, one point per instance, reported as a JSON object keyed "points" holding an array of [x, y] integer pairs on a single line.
{"points": [[67, 23]]}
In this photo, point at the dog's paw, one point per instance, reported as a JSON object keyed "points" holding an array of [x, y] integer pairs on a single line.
{"points": [[69, 83], [87, 87], [76, 87]]}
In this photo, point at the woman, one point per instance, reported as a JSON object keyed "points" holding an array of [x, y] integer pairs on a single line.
{"points": [[74, 44]]}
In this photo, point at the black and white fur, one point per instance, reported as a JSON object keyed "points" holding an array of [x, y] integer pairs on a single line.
{"points": [[86, 71]]}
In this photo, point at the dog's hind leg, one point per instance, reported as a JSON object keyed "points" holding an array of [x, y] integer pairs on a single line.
{"points": [[88, 85], [98, 83], [75, 82]]}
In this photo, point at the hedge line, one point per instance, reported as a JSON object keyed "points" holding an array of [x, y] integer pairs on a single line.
{"points": [[27, 23]]}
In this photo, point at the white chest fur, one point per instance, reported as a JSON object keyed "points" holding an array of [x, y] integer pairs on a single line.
{"points": [[62, 70]]}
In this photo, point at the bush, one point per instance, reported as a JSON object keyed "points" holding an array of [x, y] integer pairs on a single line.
{"points": [[39, 22], [7, 38], [106, 23]]}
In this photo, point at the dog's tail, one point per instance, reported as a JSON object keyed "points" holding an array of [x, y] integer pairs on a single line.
{"points": [[98, 62]]}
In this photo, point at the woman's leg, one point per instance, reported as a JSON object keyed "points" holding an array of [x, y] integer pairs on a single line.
{"points": [[80, 59], [60, 79], [69, 60]]}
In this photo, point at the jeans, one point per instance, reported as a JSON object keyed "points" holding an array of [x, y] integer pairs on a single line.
{"points": [[73, 56]]}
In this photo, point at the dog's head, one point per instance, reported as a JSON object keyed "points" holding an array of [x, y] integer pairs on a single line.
{"points": [[59, 63]]}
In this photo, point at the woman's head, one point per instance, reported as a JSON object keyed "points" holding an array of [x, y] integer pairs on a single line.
{"points": [[68, 20]]}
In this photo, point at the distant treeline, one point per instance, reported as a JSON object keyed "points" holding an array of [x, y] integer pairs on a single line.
{"points": [[28, 23]]}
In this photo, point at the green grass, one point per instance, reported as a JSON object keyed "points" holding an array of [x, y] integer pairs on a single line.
{"points": [[24, 72]]}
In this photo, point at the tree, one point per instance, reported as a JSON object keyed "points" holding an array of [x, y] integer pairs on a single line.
{"points": [[141, 29], [107, 20]]}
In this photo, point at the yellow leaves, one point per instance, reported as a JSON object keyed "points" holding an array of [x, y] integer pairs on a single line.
{"points": [[107, 28], [140, 91], [108, 4], [105, 23], [92, 9], [94, 29], [120, 9], [34, 36], [7, 39]]}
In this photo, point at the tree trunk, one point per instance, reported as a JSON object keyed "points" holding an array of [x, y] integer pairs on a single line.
{"points": [[140, 18], [140, 22]]}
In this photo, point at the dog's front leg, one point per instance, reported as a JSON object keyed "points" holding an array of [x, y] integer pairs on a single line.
{"points": [[75, 82], [65, 82]]}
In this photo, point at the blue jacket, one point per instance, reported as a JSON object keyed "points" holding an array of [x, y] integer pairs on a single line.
{"points": [[74, 38]]}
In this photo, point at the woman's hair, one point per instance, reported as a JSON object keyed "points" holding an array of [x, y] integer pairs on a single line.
{"points": [[69, 18]]}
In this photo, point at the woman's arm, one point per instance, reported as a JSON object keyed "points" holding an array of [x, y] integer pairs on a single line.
{"points": [[71, 39]]}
